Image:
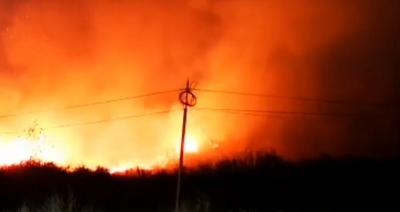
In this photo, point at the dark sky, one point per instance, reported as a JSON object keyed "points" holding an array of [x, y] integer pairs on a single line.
{"points": [[360, 66]]}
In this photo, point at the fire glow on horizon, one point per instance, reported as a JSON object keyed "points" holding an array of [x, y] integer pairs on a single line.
{"points": [[22, 150], [60, 53]]}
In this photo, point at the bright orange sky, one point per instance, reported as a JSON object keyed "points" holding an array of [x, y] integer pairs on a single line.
{"points": [[61, 53]]}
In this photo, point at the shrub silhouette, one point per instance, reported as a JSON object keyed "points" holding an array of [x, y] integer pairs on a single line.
{"points": [[259, 181]]}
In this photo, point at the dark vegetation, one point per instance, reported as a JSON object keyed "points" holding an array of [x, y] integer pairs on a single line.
{"points": [[256, 182]]}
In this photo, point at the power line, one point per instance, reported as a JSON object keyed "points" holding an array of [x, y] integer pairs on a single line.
{"points": [[269, 112], [88, 104], [170, 91], [261, 113], [380, 104], [251, 114], [99, 121]]}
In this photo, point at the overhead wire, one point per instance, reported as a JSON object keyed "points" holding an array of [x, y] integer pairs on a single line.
{"points": [[171, 91], [261, 113], [269, 112], [88, 104], [249, 112], [98, 121], [376, 104]]}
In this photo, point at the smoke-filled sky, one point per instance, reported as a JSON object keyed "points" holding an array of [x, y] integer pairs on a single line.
{"points": [[63, 53]]}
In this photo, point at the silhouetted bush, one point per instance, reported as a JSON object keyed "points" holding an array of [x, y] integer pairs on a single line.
{"points": [[260, 181]]}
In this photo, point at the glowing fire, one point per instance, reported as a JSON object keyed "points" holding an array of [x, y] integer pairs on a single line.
{"points": [[22, 149], [191, 145], [121, 169], [64, 149], [118, 169]]}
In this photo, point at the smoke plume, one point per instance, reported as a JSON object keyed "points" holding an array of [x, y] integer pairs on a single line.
{"points": [[62, 53]]}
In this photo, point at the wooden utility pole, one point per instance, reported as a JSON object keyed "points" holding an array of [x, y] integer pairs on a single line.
{"points": [[188, 99]]}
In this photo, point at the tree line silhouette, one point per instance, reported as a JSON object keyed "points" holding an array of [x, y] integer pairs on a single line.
{"points": [[260, 181]]}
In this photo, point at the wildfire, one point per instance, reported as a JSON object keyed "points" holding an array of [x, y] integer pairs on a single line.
{"points": [[21, 150], [191, 145], [24, 149], [162, 149]]}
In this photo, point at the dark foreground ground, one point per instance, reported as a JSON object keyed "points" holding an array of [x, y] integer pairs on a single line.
{"points": [[262, 182]]}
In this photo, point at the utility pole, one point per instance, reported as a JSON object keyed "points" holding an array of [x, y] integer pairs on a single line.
{"points": [[188, 99]]}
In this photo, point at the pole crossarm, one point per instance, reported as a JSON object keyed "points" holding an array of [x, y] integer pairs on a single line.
{"points": [[186, 96]]}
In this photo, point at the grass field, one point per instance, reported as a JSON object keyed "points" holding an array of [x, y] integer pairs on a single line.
{"points": [[255, 182]]}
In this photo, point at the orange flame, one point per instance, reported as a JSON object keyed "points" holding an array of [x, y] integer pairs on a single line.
{"points": [[191, 145], [21, 150]]}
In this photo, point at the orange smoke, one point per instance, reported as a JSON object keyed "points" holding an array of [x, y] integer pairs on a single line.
{"points": [[63, 53]]}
